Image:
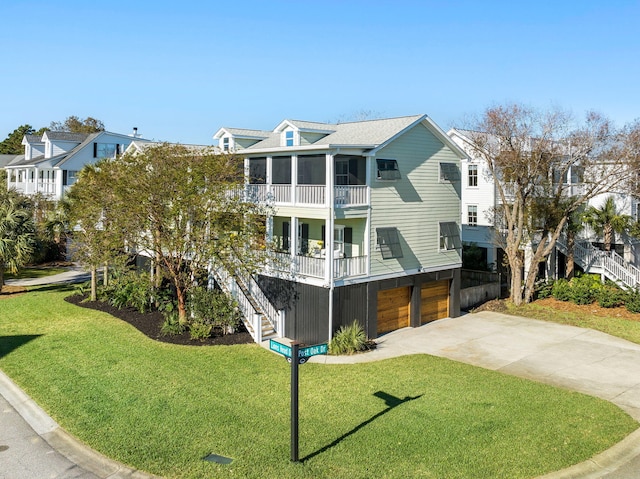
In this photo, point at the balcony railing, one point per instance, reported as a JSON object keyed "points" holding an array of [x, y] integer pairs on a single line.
{"points": [[314, 266], [47, 188], [314, 195]]}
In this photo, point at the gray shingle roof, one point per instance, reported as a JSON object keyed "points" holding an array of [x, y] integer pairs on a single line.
{"points": [[66, 136], [33, 138], [368, 134], [245, 133]]}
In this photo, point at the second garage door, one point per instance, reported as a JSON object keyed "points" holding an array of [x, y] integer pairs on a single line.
{"points": [[393, 309], [434, 301]]}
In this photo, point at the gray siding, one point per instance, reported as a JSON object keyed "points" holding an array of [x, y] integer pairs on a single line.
{"points": [[306, 308]]}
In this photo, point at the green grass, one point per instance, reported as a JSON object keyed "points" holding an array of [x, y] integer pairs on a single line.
{"points": [[162, 408], [615, 326], [34, 272]]}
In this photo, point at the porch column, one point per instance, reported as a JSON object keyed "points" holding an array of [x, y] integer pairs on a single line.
{"points": [[269, 172], [294, 182], [59, 188]]}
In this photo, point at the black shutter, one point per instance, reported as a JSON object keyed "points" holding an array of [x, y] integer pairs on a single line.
{"points": [[304, 247], [285, 235], [64, 177], [348, 234], [95, 150]]}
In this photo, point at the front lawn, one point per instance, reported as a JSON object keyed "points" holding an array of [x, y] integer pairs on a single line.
{"points": [[34, 272], [162, 408], [614, 321]]}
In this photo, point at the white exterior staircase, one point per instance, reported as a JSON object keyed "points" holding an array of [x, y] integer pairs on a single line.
{"points": [[260, 317], [608, 264]]}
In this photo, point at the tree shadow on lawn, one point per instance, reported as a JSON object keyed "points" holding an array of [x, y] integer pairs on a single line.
{"points": [[391, 402], [11, 343]]}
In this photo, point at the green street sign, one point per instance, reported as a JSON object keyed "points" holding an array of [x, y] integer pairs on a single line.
{"points": [[280, 348], [313, 350], [303, 353]]}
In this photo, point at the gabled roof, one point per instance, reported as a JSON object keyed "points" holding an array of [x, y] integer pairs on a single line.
{"points": [[66, 136], [305, 126], [242, 133], [367, 135], [6, 159], [32, 139]]}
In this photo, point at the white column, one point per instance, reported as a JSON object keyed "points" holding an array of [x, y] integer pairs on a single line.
{"points": [[294, 178]]}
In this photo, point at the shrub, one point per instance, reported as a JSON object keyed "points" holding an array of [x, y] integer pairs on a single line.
{"points": [[199, 330], [171, 325], [611, 296], [348, 340], [633, 301], [561, 290], [583, 289], [129, 289], [545, 290], [214, 308]]}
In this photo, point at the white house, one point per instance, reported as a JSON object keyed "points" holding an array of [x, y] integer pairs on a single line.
{"points": [[479, 198], [365, 217], [51, 162]]}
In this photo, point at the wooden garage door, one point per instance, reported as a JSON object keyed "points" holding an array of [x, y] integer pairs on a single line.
{"points": [[393, 309], [434, 301]]}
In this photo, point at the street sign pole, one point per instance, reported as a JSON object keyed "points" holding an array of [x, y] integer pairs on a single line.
{"points": [[295, 346]]}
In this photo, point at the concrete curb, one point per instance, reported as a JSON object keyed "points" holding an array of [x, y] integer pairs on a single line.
{"points": [[60, 440], [604, 463]]}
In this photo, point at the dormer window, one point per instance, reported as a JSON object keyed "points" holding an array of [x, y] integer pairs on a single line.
{"points": [[288, 138], [225, 143]]}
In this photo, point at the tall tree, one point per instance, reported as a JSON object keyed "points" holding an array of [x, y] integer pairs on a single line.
{"points": [[12, 144], [529, 153], [17, 233], [74, 124], [87, 209], [606, 221]]}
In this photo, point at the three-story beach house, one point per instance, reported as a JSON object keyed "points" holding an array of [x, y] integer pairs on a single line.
{"points": [[365, 219]]}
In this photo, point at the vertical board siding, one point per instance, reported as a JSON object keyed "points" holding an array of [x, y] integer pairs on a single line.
{"points": [[350, 303], [416, 203], [306, 308]]}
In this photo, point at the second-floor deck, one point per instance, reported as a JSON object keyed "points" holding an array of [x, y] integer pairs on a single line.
{"points": [[308, 195]]}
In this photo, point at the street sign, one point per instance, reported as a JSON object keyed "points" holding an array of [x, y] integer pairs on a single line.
{"points": [[303, 353], [313, 350], [280, 348]]}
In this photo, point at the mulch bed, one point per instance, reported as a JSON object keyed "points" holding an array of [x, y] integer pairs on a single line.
{"points": [[150, 323]]}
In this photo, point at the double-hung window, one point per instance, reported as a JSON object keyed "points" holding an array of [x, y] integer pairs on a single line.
{"points": [[288, 137], [473, 175], [472, 215]]}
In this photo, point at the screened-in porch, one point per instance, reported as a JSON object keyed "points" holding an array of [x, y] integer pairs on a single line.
{"points": [[302, 180]]}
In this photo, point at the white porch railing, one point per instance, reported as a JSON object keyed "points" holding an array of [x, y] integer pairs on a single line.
{"points": [[315, 267], [351, 195], [315, 195], [253, 303], [609, 264], [47, 188]]}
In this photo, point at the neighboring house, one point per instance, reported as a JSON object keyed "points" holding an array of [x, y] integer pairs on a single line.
{"points": [[479, 199], [51, 162], [365, 221]]}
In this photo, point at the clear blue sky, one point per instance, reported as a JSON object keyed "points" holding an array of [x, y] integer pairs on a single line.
{"points": [[179, 70]]}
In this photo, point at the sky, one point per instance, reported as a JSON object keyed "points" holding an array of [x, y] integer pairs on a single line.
{"points": [[180, 70]]}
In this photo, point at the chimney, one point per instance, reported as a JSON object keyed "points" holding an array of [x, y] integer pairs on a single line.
{"points": [[135, 132]]}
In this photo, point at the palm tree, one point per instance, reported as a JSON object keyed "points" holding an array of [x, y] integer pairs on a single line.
{"points": [[606, 221], [17, 234]]}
